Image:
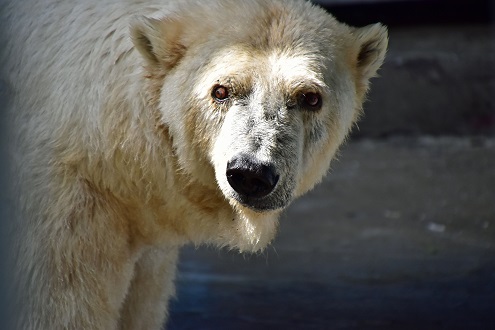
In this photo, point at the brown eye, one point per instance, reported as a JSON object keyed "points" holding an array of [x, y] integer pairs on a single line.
{"points": [[220, 93], [312, 101]]}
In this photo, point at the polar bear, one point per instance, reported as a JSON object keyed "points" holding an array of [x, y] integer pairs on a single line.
{"points": [[141, 126]]}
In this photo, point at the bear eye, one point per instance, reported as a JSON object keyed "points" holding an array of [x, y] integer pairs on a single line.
{"points": [[220, 93], [311, 101]]}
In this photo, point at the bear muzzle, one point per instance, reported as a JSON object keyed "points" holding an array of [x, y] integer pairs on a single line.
{"points": [[251, 179]]}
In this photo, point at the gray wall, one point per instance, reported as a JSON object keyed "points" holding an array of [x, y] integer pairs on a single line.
{"points": [[437, 80]]}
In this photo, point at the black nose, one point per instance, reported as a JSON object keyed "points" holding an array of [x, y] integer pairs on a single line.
{"points": [[250, 178]]}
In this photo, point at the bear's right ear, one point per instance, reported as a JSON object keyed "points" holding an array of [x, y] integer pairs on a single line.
{"points": [[158, 40], [371, 42]]}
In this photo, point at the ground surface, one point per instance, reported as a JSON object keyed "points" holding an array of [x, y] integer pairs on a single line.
{"points": [[400, 235]]}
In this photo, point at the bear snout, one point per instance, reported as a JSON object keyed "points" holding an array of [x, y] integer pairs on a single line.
{"points": [[250, 178]]}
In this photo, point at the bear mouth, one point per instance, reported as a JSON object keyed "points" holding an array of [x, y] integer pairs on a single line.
{"points": [[266, 204]]}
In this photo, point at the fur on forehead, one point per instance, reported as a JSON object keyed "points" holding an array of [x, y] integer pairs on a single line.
{"points": [[292, 26], [248, 67], [289, 24]]}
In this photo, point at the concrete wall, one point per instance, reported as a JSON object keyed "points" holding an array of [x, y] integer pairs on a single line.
{"points": [[437, 80], [439, 75]]}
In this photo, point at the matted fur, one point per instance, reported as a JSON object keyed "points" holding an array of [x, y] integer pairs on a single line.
{"points": [[121, 150]]}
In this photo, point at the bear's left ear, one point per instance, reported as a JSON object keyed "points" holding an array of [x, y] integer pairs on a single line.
{"points": [[158, 40], [372, 42]]}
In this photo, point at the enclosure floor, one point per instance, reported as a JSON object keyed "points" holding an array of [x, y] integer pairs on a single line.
{"points": [[399, 235]]}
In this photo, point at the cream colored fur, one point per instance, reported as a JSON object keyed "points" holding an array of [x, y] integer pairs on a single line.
{"points": [[120, 151]]}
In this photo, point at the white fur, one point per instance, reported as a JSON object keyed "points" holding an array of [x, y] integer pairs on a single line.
{"points": [[120, 150]]}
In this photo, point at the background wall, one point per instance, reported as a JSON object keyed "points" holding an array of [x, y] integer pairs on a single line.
{"points": [[439, 74]]}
